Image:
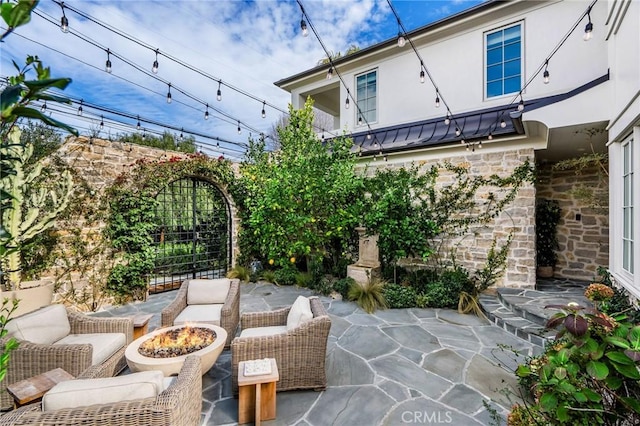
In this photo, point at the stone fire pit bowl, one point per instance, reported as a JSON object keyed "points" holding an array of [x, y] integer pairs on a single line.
{"points": [[171, 366]]}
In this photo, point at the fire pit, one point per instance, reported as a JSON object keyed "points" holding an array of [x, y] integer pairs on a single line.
{"points": [[165, 349]]}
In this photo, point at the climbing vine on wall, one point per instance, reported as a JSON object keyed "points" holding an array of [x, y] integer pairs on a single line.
{"points": [[132, 214]]}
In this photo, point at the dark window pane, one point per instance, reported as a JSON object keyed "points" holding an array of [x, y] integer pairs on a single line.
{"points": [[512, 84], [494, 39], [494, 72], [494, 89], [494, 56], [512, 34], [512, 68], [512, 51]]}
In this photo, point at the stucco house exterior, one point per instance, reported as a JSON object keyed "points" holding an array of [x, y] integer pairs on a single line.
{"points": [[579, 97]]}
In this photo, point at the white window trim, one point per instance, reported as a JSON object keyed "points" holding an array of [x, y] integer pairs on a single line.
{"points": [[631, 282], [355, 109], [484, 60]]}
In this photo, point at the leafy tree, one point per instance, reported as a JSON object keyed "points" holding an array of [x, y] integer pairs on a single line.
{"points": [[302, 200], [166, 141]]}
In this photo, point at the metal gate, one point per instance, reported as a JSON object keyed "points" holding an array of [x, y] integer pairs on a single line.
{"points": [[192, 236]]}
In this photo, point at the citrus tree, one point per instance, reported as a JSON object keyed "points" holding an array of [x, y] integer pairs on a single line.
{"points": [[302, 200]]}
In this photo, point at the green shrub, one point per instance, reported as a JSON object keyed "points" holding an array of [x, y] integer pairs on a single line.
{"points": [[304, 279], [445, 293], [323, 286], [399, 296], [343, 285], [268, 276], [240, 272], [589, 375], [369, 296], [285, 275]]}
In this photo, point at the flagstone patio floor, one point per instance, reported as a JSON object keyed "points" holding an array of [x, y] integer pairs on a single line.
{"points": [[392, 367]]}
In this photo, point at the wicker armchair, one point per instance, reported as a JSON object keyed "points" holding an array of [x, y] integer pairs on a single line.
{"points": [[300, 352], [31, 359], [229, 314], [180, 404]]}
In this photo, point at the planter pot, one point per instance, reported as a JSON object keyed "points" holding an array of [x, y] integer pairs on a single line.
{"points": [[545, 271], [34, 295]]}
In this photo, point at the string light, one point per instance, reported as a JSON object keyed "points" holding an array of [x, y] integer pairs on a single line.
{"points": [[303, 27], [457, 132], [490, 137], [447, 119], [437, 99], [80, 107], [503, 123], [43, 108], [101, 122], [138, 124], [264, 113], [154, 67], [206, 113], [330, 73], [64, 22], [521, 104], [588, 29], [181, 135], [359, 120], [219, 94], [346, 102], [239, 129], [545, 74], [480, 144], [401, 40], [169, 94], [421, 76], [107, 65]]}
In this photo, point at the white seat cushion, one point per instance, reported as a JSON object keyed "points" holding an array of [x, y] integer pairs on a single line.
{"points": [[206, 292], [104, 344], [208, 314], [44, 326], [85, 392], [299, 313], [263, 331]]}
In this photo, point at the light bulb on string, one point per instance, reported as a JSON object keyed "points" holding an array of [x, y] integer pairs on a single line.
{"points": [[588, 29], [264, 113], [480, 144], [138, 124], [437, 100], [462, 142], [421, 76], [206, 113], [447, 119], [64, 22], [239, 129], [490, 137], [346, 103], [330, 73], [401, 40], [107, 65], [154, 67], [545, 74], [360, 120], [457, 132], [369, 135], [169, 94], [503, 123], [303, 27], [219, 94], [521, 104], [101, 122], [181, 135], [43, 108], [80, 107]]}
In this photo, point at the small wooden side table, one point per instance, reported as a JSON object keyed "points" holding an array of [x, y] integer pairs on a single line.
{"points": [[33, 388], [141, 325], [257, 395]]}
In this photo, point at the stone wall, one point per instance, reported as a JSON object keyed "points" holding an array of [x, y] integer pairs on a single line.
{"points": [[100, 162], [583, 230], [519, 217]]}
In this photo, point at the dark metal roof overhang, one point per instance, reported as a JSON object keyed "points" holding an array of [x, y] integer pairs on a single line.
{"points": [[474, 126]]}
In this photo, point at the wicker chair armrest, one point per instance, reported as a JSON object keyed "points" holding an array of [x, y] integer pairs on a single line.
{"points": [[265, 319], [31, 359], [187, 386], [83, 324], [171, 311], [232, 302]]}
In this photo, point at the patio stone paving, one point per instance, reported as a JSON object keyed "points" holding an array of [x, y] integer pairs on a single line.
{"points": [[393, 367]]}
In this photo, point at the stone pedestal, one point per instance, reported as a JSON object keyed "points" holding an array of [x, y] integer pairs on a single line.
{"points": [[368, 264]]}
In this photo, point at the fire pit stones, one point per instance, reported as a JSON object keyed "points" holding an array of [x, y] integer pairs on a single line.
{"points": [[171, 366]]}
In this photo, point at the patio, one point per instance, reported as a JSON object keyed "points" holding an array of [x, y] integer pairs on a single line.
{"points": [[393, 367]]}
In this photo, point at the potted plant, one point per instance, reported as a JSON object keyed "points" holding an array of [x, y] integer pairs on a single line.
{"points": [[547, 218], [22, 217]]}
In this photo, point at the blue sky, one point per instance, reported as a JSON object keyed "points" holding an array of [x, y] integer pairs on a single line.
{"points": [[246, 44]]}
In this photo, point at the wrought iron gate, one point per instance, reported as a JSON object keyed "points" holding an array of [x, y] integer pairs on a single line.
{"points": [[192, 237]]}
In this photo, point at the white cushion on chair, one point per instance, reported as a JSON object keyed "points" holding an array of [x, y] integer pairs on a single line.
{"points": [[299, 313], [263, 331], [209, 314], [104, 344], [44, 326], [205, 292], [85, 392]]}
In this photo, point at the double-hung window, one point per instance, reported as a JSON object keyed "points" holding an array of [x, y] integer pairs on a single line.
{"points": [[627, 206], [367, 96], [503, 59]]}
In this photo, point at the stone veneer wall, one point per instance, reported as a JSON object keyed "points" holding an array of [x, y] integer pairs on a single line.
{"points": [[100, 162], [471, 251], [583, 231]]}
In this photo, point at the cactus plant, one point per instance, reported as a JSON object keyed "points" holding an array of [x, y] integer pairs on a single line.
{"points": [[23, 218]]}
